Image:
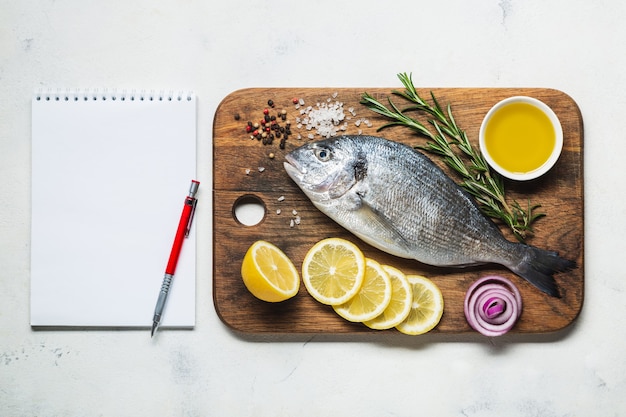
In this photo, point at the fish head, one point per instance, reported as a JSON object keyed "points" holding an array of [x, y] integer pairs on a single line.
{"points": [[325, 170]]}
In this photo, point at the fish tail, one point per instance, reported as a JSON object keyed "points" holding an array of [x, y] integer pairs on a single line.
{"points": [[538, 267]]}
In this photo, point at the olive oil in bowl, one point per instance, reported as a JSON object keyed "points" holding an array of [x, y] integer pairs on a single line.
{"points": [[521, 138]]}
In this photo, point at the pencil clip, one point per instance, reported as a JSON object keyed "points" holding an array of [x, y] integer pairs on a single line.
{"points": [[193, 212]]}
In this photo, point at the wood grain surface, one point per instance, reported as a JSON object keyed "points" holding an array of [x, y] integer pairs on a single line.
{"points": [[560, 193]]}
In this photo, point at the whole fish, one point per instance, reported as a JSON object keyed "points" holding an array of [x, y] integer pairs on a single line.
{"points": [[397, 200]]}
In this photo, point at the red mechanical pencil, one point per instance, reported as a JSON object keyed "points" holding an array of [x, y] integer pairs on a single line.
{"points": [[182, 232]]}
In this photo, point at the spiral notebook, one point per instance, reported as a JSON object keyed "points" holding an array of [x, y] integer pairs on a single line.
{"points": [[110, 172]]}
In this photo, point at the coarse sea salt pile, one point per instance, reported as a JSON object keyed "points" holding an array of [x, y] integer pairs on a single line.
{"points": [[326, 118]]}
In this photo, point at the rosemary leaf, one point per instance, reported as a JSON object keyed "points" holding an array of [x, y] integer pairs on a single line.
{"points": [[449, 142]]}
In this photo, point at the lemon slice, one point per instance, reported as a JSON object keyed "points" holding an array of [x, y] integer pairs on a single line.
{"points": [[268, 273], [400, 305], [373, 297], [333, 270], [426, 307]]}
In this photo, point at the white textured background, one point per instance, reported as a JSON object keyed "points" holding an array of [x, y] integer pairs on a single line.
{"points": [[214, 48]]}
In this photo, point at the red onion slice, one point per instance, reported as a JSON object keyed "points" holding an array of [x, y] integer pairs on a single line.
{"points": [[492, 305]]}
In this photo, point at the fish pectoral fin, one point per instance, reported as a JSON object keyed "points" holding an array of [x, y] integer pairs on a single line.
{"points": [[388, 237]]}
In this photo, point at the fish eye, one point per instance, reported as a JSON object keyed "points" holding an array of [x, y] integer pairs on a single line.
{"points": [[323, 154]]}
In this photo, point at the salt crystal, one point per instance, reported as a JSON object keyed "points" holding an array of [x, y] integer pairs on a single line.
{"points": [[297, 220], [278, 211], [281, 198], [357, 123], [248, 171], [261, 169], [335, 94], [292, 223], [301, 102], [325, 119], [311, 136], [294, 212]]}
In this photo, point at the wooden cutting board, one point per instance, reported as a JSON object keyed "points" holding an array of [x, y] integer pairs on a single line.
{"points": [[244, 170]]}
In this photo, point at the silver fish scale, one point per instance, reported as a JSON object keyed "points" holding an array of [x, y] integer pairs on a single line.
{"points": [[440, 223]]}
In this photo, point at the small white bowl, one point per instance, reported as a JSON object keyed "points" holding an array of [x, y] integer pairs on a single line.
{"points": [[545, 166]]}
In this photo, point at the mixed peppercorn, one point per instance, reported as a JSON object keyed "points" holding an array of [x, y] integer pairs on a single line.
{"points": [[269, 127]]}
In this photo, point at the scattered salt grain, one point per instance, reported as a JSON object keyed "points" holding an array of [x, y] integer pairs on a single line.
{"points": [[301, 102], [261, 169], [278, 211], [363, 120], [294, 212], [248, 171], [292, 223], [281, 198], [297, 220]]}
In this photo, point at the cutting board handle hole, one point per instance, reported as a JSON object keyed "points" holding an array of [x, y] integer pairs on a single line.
{"points": [[249, 210]]}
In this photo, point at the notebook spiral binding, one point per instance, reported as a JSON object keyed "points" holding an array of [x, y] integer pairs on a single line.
{"points": [[75, 95]]}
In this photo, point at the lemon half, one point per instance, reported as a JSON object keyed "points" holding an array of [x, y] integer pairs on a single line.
{"points": [[268, 273]]}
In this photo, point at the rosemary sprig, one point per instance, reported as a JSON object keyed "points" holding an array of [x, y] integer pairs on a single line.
{"points": [[457, 152]]}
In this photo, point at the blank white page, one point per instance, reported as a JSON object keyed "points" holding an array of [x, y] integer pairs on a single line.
{"points": [[110, 173]]}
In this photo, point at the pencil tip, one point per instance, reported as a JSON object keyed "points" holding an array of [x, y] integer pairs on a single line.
{"points": [[154, 327]]}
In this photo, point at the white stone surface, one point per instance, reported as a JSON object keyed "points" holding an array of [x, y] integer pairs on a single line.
{"points": [[214, 48]]}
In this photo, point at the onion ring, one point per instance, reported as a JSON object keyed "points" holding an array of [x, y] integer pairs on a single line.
{"points": [[492, 305]]}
